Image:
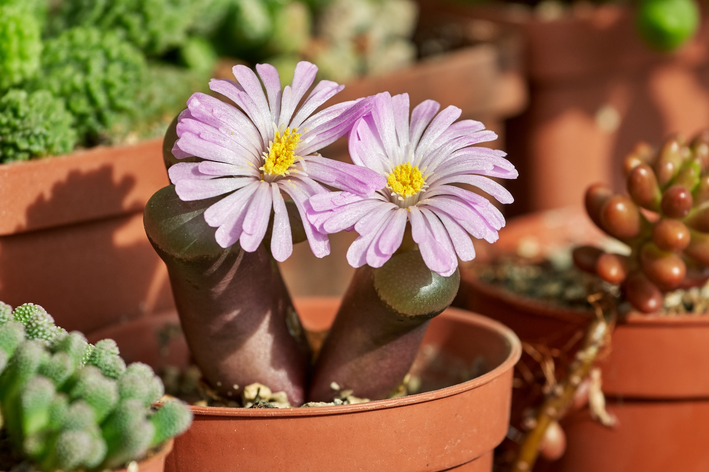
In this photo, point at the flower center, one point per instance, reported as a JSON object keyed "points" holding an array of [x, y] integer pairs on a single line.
{"points": [[406, 180], [281, 153]]}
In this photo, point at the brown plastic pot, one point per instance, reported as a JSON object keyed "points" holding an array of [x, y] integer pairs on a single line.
{"points": [[452, 428], [595, 90], [655, 376], [72, 237]]}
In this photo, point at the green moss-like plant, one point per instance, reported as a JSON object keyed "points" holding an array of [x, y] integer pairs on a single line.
{"points": [[154, 26], [20, 45], [34, 125], [97, 73]]}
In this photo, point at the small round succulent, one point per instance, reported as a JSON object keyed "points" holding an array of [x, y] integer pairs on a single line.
{"points": [[664, 220]]}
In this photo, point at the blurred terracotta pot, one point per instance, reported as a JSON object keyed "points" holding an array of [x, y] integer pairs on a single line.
{"points": [[72, 237], [655, 375], [452, 428], [595, 90]]}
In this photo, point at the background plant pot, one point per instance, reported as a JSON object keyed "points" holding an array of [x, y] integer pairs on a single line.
{"points": [[595, 89], [655, 375], [72, 237], [455, 427]]}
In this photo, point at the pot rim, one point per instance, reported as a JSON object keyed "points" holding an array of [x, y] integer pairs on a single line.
{"points": [[511, 339], [548, 309]]}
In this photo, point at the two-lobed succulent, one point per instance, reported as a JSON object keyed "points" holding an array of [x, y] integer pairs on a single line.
{"points": [[69, 405], [664, 220]]}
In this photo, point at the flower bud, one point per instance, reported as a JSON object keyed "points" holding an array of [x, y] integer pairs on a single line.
{"points": [[701, 191], [620, 217], [689, 175], [643, 187]]}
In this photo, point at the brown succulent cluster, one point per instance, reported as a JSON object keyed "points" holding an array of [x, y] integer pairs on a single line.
{"points": [[664, 220]]}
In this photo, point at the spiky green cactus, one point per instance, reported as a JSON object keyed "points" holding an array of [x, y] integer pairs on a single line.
{"points": [[68, 405]]}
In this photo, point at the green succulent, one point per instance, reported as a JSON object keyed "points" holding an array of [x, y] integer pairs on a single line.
{"points": [[64, 415]]}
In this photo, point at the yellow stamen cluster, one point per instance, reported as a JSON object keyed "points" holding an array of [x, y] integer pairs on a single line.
{"points": [[281, 153], [406, 180]]}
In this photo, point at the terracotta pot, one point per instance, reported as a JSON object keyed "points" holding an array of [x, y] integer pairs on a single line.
{"points": [[455, 427], [655, 376], [595, 90], [72, 237]]}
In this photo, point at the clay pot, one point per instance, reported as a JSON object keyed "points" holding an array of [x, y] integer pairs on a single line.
{"points": [[72, 237], [655, 375], [595, 90], [452, 428]]}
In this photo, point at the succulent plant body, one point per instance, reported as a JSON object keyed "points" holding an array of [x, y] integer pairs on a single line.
{"points": [[68, 405], [664, 220]]}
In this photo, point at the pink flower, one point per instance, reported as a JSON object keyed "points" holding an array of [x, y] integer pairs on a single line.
{"points": [[423, 162], [266, 146]]}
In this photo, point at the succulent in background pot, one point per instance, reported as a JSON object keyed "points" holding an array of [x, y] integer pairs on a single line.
{"points": [[654, 366], [70, 405]]}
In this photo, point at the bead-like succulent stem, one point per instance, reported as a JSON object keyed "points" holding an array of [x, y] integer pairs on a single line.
{"points": [[234, 308], [379, 327], [561, 397]]}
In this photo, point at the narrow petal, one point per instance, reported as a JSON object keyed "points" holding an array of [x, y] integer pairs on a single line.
{"points": [[346, 217], [400, 105], [439, 124], [302, 80], [459, 237], [420, 118], [281, 237], [191, 190], [252, 86], [219, 213], [319, 242], [272, 82], [366, 149], [221, 169], [322, 93], [257, 217], [186, 170], [354, 179], [439, 255], [500, 193], [390, 240], [383, 115]]}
